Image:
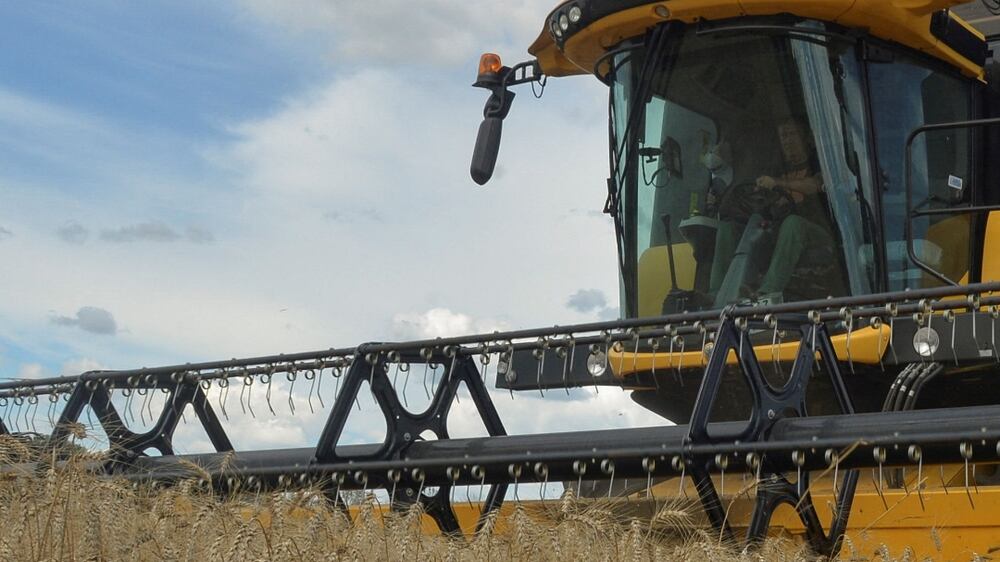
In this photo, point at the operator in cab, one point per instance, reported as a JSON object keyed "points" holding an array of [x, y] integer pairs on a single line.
{"points": [[787, 205]]}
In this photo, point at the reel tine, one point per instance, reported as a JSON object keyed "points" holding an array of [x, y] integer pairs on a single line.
{"points": [[880, 454], [680, 361], [571, 342], [5, 404], [372, 359], [319, 385], [53, 400], [678, 464], [395, 376], [580, 468], [619, 348], [848, 317], [248, 382], [452, 352], [876, 323], [426, 354], [267, 378], [965, 448], [892, 310], [33, 400], [311, 377], [772, 322], [562, 353], [223, 397], [974, 305], [654, 344], [337, 372], [635, 353], [949, 316], [243, 390], [405, 367], [994, 313], [539, 353], [484, 360], [291, 375], [916, 455], [722, 462], [700, 326], [514, 471], [669, 332]]}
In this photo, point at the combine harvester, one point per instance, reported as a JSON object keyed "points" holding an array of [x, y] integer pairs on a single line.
{"points": [[805, 199]]}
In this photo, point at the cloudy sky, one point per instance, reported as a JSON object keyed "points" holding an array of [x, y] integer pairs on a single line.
{"points": [[192, 181]]}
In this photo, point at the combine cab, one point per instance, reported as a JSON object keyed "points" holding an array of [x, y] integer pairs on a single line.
{"points": [[770, 153], [805, 200]]}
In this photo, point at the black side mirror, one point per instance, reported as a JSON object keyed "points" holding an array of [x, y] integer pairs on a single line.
{"points": [[495, 77], [484, 157]]}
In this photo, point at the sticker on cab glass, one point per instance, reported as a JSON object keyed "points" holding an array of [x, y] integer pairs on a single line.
{"points": [[955, 182]]}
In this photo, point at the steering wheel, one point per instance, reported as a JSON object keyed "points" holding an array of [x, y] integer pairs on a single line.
{"points": [[741, 201]]}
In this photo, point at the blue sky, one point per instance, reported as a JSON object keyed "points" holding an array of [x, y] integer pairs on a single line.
{"points": [[186, 181]]}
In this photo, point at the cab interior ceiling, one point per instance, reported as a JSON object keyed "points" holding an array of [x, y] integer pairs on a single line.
{"points": [[744, 94]]}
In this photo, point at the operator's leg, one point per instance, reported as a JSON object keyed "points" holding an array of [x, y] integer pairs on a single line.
{"points": [[795, 235], [725, 247]]}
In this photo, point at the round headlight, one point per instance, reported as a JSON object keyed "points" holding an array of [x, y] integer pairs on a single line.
{"points": [[555, 29], [926, 342], [597, 363], [575, 13], [563, 22]]}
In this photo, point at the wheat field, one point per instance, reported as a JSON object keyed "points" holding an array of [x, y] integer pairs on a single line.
{"points": [[60, 511]]}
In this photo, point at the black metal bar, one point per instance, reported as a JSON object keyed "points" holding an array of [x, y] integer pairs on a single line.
{"points": [[769, 405], [908, 227], [938, 432], [404, 428], [955, 210]]}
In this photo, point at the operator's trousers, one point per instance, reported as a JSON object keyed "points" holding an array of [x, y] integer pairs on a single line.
{"points": [[794, 235]]}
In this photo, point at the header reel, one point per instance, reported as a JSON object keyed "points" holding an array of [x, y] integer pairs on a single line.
{"points": [[778, 440]]}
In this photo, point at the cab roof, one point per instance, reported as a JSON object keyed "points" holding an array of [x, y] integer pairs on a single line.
{"points": [[923, 25]]}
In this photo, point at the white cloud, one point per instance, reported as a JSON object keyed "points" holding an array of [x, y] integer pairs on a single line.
{"points": [[587, 300], [73, 233], [406, 33], [80, 365], [440, 323], [31, 371], [342, 207], [90, 319]]}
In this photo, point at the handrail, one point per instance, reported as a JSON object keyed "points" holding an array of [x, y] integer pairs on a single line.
{"points": [[911, 213]]}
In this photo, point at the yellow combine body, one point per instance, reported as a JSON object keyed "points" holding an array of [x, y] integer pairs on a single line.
{"points": [[950, 513]]}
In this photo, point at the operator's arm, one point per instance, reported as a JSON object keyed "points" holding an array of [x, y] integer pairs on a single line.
{"points": [[805, 185]]}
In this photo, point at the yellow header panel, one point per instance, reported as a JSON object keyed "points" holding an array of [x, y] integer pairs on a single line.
{"points": [[907, 22]]}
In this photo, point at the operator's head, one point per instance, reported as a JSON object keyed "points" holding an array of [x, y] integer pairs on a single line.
{"points": [[793, 136]]}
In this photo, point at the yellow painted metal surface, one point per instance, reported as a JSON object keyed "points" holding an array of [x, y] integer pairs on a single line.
{"points": [[991, 248], [654, 267], [940, 523], [949, 524], [867, 346], [906, 22]]}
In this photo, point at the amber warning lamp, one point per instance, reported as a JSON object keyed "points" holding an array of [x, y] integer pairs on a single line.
{"points": [[490, 70]]}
